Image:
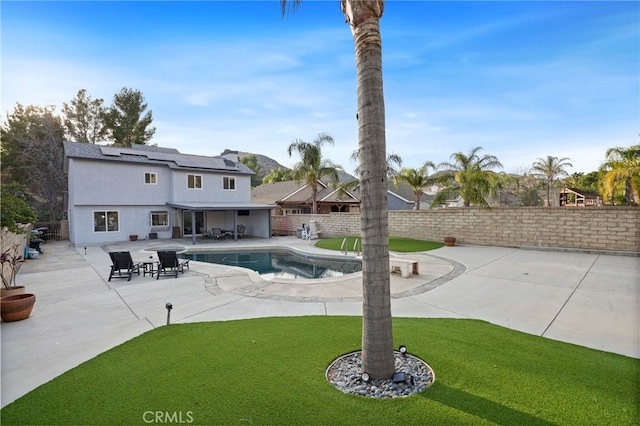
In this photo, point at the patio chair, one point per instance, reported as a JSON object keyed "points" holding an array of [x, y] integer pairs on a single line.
{"points": [[169, 264], [123, 265], [217, 233], [240, 233]]}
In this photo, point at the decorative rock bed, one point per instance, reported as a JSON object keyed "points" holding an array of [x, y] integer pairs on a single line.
{"points": [[345, 373]]}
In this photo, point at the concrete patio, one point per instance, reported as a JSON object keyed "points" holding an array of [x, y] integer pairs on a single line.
{"points": [[589, 299]]}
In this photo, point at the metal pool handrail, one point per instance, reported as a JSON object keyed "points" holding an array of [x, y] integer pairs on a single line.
{"points": [[356, 247]]}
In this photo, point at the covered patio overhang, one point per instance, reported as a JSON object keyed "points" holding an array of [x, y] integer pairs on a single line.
{"points": [[193, 207]]}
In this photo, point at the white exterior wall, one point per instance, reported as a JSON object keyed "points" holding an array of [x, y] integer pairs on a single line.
{"points": [[212, 189], [131, 220], [112, 183], [112, 186], [258, 223]]}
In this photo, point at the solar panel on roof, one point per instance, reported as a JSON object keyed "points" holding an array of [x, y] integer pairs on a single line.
{"points": [[181, 160], [109, 150], [117, 151]]}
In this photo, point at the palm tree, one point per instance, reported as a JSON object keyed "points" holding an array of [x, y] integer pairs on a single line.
{"points": [[393, 162], [417, 179], [377, 337], [550, 168], [279, 174], [499, 183], [469, 177], [527, 188], [622, 168], [312, 166], [573, 180]]}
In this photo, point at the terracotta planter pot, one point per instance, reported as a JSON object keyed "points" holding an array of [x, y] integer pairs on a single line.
{"points": [[449, 241], [12, 291], [17, 307]]}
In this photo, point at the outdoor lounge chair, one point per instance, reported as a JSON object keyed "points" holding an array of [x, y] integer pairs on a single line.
{"points": [[169, 264], [123, 265], [217, 233]]}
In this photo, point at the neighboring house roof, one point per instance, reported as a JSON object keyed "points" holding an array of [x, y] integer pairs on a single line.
{"points": [[405, 193], [270, 193], [586, 194], [510, 199], [334, 195], [292, 192], [344, 177], [147, 154], [578, 198]]}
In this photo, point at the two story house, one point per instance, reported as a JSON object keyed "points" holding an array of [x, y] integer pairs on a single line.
{"points": [[155, 192]]}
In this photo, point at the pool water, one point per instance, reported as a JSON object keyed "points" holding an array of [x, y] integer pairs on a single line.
{"points": [[282, 263]]}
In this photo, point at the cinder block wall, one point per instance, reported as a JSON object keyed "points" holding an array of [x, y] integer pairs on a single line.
{"points": [[605, 228]]}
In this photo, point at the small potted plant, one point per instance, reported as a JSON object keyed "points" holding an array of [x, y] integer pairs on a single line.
{"points": [[449, 241], [10, 261], [15, 304], [15, 212]]}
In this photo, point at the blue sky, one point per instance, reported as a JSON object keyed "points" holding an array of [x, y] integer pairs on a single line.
{"points": [[521, 79]]}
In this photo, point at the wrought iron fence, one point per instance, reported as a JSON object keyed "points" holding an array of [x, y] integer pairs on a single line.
{"points": [[48, 230]]}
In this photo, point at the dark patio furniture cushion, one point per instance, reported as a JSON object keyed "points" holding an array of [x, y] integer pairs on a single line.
{"points": [[169, 264], [123, 265]]}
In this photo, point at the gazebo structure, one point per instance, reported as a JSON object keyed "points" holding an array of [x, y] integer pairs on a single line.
{"points": [[573, 197]]}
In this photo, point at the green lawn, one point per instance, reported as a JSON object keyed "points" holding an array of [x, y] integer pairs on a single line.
{"points": [[271, 371], [395, 244]]}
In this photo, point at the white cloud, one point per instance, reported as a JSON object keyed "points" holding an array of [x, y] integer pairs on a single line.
{"points": [[447, 88]]}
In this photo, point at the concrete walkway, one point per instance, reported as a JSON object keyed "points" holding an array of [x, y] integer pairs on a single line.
{"points": [[589, 299]]}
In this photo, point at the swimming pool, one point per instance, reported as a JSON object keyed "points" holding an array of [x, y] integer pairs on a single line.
{"points": [[282, 263]]}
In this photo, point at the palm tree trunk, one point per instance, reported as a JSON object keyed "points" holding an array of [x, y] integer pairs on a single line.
{"points": [[377, 335], [314, 196]]}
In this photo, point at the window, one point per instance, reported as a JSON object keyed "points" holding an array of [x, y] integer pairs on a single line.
{"points": [[159, 219], [229, 183], [194, 181], [150, 178], [105, 221]]}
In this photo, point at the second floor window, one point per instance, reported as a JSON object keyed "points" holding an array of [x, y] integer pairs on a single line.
{"points": [[150, 178], [194, 181], [229, 183]]}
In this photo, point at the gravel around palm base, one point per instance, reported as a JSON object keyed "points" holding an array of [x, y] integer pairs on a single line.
{"points": [[345, 373]]}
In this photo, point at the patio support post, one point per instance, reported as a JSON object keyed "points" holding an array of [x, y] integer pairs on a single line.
{"points": [[235, 225], [193, 227]]}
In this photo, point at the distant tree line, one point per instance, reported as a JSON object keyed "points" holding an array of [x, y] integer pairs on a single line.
{"points": [[32, 152], [473, 178], [32, 158]]}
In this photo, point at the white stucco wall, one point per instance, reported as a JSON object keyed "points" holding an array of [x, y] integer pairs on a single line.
{"points": [[113, 186], [212, 189]]}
